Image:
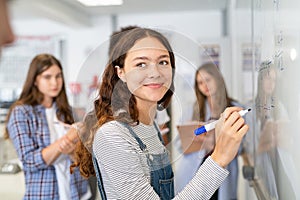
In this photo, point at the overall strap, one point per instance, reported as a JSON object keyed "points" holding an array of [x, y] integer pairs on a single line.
{"points": [[159, 133], [99, 178], [141, 144]]}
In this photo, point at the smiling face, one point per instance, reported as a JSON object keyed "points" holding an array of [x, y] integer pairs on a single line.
{"points": [[147, 71], [50, 83]]}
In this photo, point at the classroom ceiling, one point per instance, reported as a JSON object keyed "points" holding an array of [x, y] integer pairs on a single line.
{"points": [[72, 8], [139, 6], [71, 11]]}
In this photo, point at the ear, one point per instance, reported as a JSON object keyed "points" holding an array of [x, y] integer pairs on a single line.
{"points": [[121, 73]]}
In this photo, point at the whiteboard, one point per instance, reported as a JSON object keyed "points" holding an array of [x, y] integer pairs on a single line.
{"points": [[271, 145]]}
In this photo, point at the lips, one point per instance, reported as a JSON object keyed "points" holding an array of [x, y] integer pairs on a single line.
{"points": [[153, 85], [54, 90]]}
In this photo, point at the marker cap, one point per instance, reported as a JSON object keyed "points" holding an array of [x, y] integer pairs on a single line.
{"points": [[200, 130]]}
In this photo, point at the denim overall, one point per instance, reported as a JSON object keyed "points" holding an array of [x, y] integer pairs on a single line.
{"points": [[161, 174]]}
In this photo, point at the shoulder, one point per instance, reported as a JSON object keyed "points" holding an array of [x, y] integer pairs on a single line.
{"points": [[19, 113], [112, 126], [113, 136], [26, 111], [22, 109], [111, 131]]}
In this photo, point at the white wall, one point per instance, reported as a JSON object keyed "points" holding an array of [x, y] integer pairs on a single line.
{"points": [[195, 27]]}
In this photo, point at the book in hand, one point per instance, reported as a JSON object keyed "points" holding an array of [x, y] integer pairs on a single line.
{"points": [[189, 141]]}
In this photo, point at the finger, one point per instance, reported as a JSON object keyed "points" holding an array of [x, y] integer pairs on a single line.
{"points": [[229, 110], [66, 143], [231, 120], [68, 140], [238, 124], [242, 131]]}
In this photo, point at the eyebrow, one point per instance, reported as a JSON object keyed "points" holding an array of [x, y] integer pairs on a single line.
{"points": [[49, 74], [146, 58]]}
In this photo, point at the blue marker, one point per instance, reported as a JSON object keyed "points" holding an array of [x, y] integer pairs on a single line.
{"points": [[211, 126]]}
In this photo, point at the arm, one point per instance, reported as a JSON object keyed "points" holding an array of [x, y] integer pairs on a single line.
{"points": [[64, 145], [24, 137], [230, 131], [124, 177], [30, 147]]}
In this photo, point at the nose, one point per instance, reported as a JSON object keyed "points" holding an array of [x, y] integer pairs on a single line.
{"points": [[154, 71], [54, 81]]}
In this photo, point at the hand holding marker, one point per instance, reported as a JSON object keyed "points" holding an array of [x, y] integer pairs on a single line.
{"points": [[211, 126]]}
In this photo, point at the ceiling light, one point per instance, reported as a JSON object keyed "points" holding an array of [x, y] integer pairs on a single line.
{"points": [[101, 2]]}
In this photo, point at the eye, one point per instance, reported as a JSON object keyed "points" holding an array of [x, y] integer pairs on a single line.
{"points": [[207, 80], [47, 77], [142, 65], [164, 62], [59, 76]]}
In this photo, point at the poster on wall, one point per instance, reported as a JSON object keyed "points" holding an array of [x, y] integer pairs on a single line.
{"points": [[248, 52], [211, 53]]}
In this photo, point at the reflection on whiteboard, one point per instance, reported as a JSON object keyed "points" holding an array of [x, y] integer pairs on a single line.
{"points": [[272, 143], [270, 138]]}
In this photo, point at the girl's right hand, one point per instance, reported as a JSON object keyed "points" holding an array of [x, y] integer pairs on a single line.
{"points": [[230, 131]]}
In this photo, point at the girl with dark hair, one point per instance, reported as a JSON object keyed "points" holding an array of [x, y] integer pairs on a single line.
{"points": [[126, 146], [38, 124]]}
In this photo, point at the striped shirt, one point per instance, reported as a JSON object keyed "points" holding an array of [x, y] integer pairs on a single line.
{"points": [[124, 168]]}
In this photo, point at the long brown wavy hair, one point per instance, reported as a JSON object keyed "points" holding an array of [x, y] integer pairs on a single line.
{"points": [[30, 94], [220, 101], [114, 95]]}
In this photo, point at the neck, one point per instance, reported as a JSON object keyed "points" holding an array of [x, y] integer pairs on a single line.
{"points": [[47, 103], [147, 114]]}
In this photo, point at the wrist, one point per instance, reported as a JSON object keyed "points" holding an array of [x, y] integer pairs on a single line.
{"points": [[217, 160], [73, 133]]}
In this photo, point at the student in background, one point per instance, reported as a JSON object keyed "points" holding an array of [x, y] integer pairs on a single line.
{"points": [[39, 125], [130, 160], [6, 33], [212, 100]]}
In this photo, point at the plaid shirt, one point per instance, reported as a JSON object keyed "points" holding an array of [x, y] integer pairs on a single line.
{"points": [[29, 131]]}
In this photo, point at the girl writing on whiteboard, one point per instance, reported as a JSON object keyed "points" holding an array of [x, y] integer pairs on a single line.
{"points": [[130, 160]]}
